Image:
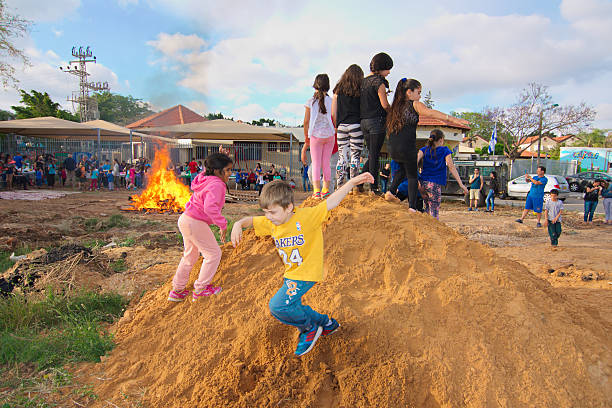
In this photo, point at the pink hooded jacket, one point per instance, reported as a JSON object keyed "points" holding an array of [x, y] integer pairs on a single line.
{"points": [[207, 200]]}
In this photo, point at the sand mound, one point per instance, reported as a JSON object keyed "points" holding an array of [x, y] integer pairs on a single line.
{"points": [[428, 318]]}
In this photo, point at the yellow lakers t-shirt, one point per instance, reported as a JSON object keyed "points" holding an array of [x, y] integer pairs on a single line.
{"points": [[299, 241]]}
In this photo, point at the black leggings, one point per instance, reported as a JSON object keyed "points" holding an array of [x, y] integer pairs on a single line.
{"points": [[406, 171], [374, 137]]}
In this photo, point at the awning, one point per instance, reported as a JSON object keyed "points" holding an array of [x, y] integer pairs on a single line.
{"points": [[223, 129], [49, 127]]}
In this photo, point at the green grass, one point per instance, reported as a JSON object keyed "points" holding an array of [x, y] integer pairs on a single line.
{"points": [[92, 243], [118, 265], [217, 232], [128, 242], [115, 220], [6, 263], [58, 329]]}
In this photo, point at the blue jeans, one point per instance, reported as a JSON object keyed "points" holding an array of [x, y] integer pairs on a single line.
{"points": [[589, 210], [286, 305], [383, 185], [491, 200], [306, 183]]}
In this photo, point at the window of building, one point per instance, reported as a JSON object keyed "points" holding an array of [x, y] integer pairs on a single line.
{"points": [[271, 146], [284, 147]]}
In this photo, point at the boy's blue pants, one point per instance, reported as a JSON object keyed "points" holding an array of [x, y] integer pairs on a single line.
{"points": [[286, 305]]}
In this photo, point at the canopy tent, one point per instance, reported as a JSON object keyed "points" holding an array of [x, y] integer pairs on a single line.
{"points": [[49, 127], [224, 130]]}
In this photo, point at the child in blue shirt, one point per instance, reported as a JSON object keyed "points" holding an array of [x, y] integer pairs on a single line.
{"points": [[39, 176], [94, 179], [110, 179]]}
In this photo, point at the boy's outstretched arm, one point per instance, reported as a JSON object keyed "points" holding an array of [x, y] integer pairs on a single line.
{"points": [[245, 222], [335, 199]]}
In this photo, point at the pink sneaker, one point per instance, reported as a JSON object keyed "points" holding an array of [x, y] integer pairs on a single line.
{"points": [[207, 291], [175, 296]]}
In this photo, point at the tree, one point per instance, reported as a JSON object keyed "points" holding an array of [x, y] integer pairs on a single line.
{"points": [[120, 109], [213, 116], [428, 101], [11, 27], [38, 104], [595, 138], [481, 124], [262, 121], [6, 115], [522, 119]]}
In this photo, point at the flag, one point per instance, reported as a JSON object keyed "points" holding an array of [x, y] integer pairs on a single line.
{"points": [[493, 140]]}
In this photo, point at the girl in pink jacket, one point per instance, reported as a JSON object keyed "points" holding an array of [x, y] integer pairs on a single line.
{"points": [[203, 208]]}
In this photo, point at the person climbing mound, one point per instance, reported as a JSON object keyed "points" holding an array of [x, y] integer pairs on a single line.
{"points": [[298, 236]]}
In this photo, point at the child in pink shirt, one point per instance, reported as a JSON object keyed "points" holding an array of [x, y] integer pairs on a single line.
{"points": [[202, 209]]}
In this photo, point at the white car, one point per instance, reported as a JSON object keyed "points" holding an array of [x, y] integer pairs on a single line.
{"points": [[519, 187]]}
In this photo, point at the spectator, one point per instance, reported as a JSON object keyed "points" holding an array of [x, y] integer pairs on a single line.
{"points": [[591, 199], [535, 197], [277, 176], [193, 167], [476, 184], [238, 178], [385, 175], [252, 179], [51, 171], [606, 193], [95, 173], [110, 179], [70, 166], [39, 177], [493, 187], [63, 176], [292, 184], [260, 182], [552, 216], [18, 160], [305, 179], [244, 179]]}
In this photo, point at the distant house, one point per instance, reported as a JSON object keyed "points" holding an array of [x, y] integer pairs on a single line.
{"points": [[468, 145], [530, 144]]}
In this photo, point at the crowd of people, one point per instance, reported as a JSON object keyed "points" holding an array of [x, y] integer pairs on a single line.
{"points": [[88, 173]]}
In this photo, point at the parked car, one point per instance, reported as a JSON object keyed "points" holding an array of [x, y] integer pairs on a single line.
{"points": [[519, 187], [577, 182]]}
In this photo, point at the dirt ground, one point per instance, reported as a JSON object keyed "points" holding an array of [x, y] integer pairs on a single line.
{"points": [[579, 269]]}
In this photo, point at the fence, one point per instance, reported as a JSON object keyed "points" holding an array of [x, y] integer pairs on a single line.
{"points": [[284, 156], [520, 167]]}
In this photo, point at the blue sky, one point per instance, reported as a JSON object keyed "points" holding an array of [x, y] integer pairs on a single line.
{"points": [[252, 59]]}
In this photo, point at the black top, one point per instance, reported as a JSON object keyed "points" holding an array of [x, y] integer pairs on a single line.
{"points": [[348, 110], [402, 145], [386, 173], [593, 195], [370, 106], [69, 163], [492, 184]]}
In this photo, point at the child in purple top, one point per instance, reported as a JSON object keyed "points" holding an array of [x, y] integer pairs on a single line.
{"points": [[434, 159], [202, 209]]}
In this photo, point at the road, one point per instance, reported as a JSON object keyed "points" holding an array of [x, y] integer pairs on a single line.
{"points": [[573, 203]]}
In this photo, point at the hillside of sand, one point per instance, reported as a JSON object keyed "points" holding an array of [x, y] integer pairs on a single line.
{"points": [[429, 318]]}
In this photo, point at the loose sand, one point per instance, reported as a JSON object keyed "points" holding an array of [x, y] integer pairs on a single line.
{"points": [[429, 318]]}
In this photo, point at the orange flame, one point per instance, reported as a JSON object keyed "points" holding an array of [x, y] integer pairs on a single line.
{"points": [[164, 191]]}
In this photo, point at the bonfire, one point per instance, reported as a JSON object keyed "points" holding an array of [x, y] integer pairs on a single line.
{"points": [[164, 192]]}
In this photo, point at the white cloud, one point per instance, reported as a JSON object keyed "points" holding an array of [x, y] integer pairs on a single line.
{"points": [[604, 116], [198, 107], [173, 45], [57, 33], [249, 112], [44, 11], [127, 3]]}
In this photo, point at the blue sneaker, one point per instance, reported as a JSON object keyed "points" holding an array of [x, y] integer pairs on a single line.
{"points": [[307, 340], [330, 328]]}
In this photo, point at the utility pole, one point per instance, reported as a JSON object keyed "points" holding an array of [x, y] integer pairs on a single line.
{"points": [[554, 105], [87, 106]]}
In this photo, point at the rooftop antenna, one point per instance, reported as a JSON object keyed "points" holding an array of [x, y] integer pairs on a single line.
{"points": [[87, 105]]}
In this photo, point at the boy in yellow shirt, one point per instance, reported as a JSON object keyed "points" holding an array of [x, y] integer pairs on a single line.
{"points": [[298, 236]]}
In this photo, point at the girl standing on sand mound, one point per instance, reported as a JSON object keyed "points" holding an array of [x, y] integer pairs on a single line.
{"points": [[401, 127]]}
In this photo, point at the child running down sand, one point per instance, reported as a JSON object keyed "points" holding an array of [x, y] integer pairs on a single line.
{"points": [[204, 208], [298, 236]]}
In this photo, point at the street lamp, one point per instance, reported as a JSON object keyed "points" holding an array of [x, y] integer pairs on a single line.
{"points": [[554, 105]]}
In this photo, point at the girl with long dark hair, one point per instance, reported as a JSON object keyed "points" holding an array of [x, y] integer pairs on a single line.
{"points": [[373, 111], [402, 123], [346, 110], [319, 134]]}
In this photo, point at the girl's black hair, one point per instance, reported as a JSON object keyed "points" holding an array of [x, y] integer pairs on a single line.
{"points": [[397, 115], [350, 82], [494, 173], [321, 86], [381, 62], [434, 136], [216, 161]]}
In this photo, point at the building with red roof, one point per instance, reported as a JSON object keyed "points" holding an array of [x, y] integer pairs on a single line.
{"points": [[176, 115]]}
